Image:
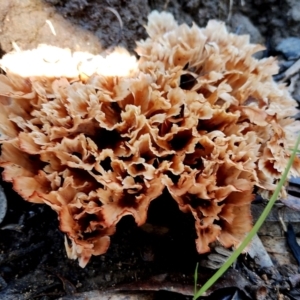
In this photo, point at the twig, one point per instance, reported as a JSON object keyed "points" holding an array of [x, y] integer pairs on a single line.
{"points": [[117, 15], [230, 10], [291, 70], [119, 19], [51, 27]]}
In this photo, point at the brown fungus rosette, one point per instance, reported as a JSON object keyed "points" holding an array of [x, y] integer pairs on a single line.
{"points": [[100, 137]]}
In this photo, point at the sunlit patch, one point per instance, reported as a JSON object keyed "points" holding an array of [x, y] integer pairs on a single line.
{"points": [[117, 63], [51, 61]]}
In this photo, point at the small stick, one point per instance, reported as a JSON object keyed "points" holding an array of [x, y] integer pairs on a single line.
{"points": [[117, 15], [119, 19], [16, 47], [51, 27], [291, 70], [230, 10]]}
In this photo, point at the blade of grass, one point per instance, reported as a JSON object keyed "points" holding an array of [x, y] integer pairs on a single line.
{"points": [[196, 278], [254, 230], [297, 151]]}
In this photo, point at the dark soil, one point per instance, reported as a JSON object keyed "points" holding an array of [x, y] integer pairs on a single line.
{"points": [[33, 262]]}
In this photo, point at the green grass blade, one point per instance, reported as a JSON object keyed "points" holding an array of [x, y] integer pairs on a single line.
{"points": [[196, 278], [255, 228]]}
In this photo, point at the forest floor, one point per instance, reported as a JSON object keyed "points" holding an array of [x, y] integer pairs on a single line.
{"points": [[156, 261]]}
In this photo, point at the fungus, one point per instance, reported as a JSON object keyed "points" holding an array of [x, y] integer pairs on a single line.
{"points": [[99, 137]]}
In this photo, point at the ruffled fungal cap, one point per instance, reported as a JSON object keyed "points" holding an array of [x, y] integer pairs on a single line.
{"points": [[100, 137]]}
